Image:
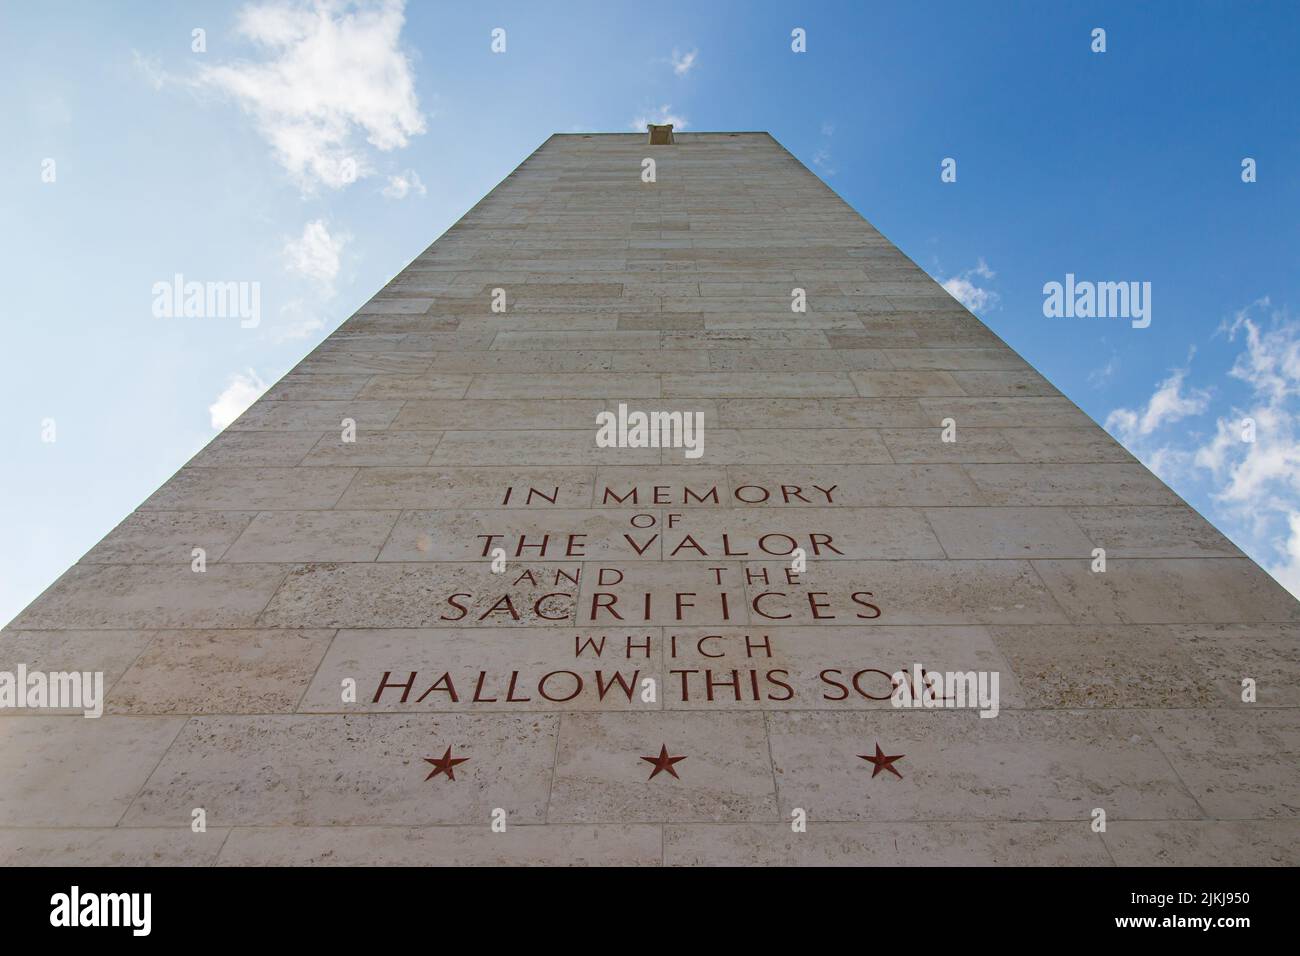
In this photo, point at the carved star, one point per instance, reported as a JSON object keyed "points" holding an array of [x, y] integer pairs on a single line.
{"points": [[662, 762], [883, 761], [444, 764]]}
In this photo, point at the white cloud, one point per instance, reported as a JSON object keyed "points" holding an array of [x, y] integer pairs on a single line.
{"points": [[332, 71], [821, 157], [1271, 362], [1287, 571], [1253, 485], [316, 254], [297, 321], [1267, 468], [1167, 404], [403, 184], [683, 62], [1103, 374], [1170, 463], [1263, 473], [244, 389], [659, 117], [150, 68], [974, 297], [823, 160]]}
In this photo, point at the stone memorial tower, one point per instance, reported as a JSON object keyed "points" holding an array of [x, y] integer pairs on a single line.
{"points": [[662, 511]]}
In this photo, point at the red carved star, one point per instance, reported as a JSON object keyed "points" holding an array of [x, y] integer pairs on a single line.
{"points": [[882, 761], [444, 764], [662, 762]]}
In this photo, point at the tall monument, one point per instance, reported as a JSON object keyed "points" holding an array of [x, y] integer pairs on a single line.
{"points": [[661, 512]]}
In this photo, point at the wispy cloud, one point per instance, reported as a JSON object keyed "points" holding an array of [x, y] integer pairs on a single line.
{"points": [[243, 390], [316, 254], [1247, 459], [1102, 375], [683, 63], [821, 157], [403, 184], [963, 288], [150, 68], [1267, 469], [1168, 403], [662, 115], [332, 72], [297, 320]]}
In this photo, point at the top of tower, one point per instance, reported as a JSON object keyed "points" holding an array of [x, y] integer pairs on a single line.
{"points": [[660, 135]]}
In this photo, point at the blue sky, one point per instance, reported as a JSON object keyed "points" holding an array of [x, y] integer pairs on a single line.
{"points": [[316, 149]]}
